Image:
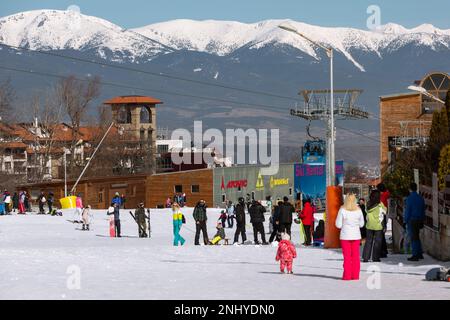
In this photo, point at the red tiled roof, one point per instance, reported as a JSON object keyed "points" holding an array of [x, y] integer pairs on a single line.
{"points": [[133, 100], [13, 145]]}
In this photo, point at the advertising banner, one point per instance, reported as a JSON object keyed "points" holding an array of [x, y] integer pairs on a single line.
{"points": [[310, 182]]}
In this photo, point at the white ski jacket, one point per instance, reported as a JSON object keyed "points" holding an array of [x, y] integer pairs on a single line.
{"points": [[350, 223]]}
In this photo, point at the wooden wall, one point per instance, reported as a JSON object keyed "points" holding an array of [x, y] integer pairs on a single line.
{"points": [[392, 111], [161, 186], [97, 192]]}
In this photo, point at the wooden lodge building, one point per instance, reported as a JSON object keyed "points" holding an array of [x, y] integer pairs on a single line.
{"points": [[405, 118]]}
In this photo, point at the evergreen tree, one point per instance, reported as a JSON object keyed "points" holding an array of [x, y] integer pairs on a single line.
{"points": [[444, 166], [439, 137], [447, 107]]}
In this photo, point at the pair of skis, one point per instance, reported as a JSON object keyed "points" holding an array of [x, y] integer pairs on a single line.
{"points": [[140, 228]]}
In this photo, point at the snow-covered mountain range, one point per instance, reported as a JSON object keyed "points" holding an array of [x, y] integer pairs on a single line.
{"points": [[56, 30]]}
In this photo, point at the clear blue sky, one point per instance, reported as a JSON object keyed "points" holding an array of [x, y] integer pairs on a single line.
{"points": [[352, 13]]}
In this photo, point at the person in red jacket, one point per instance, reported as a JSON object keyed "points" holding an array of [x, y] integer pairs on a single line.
{"points": [[307, 216], [286, 253]]}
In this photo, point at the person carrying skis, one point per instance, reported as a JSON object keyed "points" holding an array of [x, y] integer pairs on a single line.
{"points": [[41, 202], [220, 235], [139, 215], [257, 218], [200, 222], [286, 253], [177, 221], [85, 216], [240, 221], [116, 214]]}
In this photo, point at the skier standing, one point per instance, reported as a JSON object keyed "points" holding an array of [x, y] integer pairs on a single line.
{"points": [[257, 218], [140, 217], [177, 219], [200, 222], [240, 221], [286, 253], [41, 202], [116, 214], [85, 216]]}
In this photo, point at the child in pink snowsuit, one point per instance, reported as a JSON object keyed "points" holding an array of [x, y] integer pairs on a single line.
{"points": [[286, 253]]}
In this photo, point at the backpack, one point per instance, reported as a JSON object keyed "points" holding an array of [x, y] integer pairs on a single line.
{"points": [[183, 219]]}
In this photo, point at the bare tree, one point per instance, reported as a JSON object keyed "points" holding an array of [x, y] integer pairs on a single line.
{"points": [[47, 114], [76, 96], [7, 95]]}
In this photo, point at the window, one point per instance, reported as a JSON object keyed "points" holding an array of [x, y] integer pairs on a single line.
{"points": [[145, 115], [224, 198], [195, 188], [163, 148], [178, 189], [290, 191], [124, 115], [7, 166], [253, 195]]}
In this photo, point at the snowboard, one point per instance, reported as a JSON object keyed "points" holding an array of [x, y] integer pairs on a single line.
{"points": [[438, 274], [112, 227]]}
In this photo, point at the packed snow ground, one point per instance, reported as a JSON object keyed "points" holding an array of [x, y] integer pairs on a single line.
{"points": [[38, 255]]}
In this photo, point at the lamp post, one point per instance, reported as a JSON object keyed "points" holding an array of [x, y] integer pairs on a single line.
{"points": [[65, 173], [330, 154], [423, 91]]}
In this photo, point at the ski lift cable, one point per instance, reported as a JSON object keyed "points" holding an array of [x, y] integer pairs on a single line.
{"points": [[266, 107]]}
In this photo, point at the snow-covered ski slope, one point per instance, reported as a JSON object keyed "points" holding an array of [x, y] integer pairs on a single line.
{"points": [[41, 255]]}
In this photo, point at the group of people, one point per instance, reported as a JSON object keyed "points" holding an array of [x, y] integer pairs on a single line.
{"points": [[178, 198], [18, 201]]}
